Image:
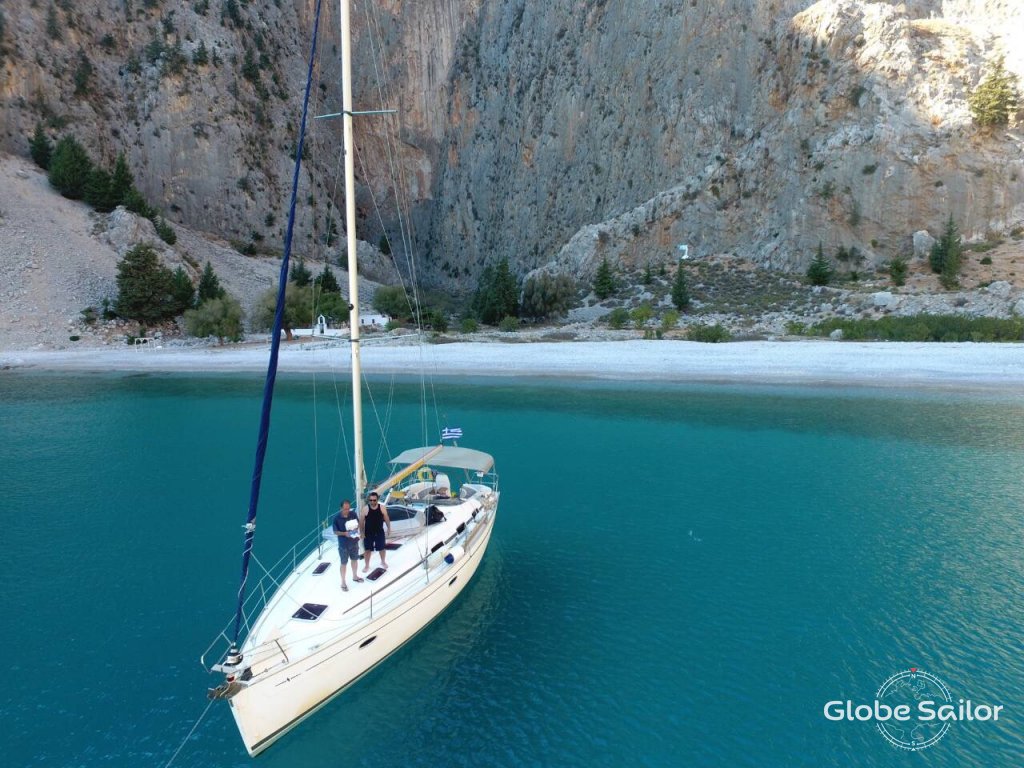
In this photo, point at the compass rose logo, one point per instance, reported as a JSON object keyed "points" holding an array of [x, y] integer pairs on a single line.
{"points": [[910, 688]]}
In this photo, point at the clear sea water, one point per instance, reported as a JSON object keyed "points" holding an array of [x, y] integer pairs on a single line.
{"points": [[679, 575]]}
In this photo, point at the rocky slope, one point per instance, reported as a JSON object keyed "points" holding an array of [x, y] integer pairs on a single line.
{"points": [[554, 133]]}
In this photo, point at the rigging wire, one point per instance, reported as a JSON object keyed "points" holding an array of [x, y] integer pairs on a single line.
{"points": [[275, 345], [189, 734]]}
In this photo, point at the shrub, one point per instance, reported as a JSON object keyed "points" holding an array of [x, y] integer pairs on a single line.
{"points": [[220, 317], [436, 320], [469, 325], [509, 324], [547, 296], [711, 334], [820, 271], [986, 260], [145, 287], [393, 301], [924, 328], [641, 315], [618, 318], [898, 270], [669, 320]]}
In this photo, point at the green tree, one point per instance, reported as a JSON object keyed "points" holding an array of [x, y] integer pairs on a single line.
{"points": [[604, 280], [70, 167], [996, 98], [327, 282], [220, 317], [209, 286], [947, 255], [393, 301], [121, 181], [164, 230], [898, 268], [184, 292], [136, 203], [300, 274], [98, 191], [497, 295], [145, 287], [298, 309], [547, 295], [820, 271], [40, 148], [83, 74], [52, 24], [680, 290], [200, 56]]}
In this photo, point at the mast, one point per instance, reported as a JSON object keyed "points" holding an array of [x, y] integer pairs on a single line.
{"points": [[353, 272]]}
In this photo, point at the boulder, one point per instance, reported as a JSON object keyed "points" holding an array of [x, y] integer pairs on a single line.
{"points": [[836, 335], [923, 243], [1018, 308], [885, 300], [1000, 288]]}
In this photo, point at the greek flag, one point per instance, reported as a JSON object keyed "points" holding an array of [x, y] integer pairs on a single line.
{"points": [[451, 433]]}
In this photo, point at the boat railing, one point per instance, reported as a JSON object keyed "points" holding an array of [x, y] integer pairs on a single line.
{"points": [[260, 593]]}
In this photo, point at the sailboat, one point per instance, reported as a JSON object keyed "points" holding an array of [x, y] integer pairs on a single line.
{"points": [[297, 640]]}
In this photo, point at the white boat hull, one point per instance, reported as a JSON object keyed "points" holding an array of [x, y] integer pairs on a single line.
{"points": [[277, 700]]}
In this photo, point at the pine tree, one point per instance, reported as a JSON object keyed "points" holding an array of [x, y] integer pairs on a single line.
{"points": [[604, 280], [300, 275], [121, 181], [209, 285], [200, 57], [183, 290], [996, 98], [40, 148], [145, 288], [680, 290], [946, 253], [70, 167], [98, 191], [327, 282], [898, 268], [820, 271]]}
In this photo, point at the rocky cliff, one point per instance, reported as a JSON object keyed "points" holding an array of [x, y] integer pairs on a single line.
{"points": [[551, 133]]}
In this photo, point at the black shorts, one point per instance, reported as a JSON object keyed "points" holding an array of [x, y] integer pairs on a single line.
{"points": [[375, 543]]}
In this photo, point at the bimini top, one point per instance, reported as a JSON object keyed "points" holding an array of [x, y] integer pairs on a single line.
{"points": [[447, 456]]}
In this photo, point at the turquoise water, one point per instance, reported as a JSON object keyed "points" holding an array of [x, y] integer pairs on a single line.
{"points": [[679, 576]]}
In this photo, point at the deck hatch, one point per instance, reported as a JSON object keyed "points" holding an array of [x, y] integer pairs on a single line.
{"points": [[309, 611], [321, 568]]}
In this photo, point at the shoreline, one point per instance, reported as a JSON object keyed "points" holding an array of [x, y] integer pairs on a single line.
{"points": [[811, 362]]}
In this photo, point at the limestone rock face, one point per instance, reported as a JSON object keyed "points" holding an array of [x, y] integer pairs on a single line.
{"points": [[554, 134]]}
